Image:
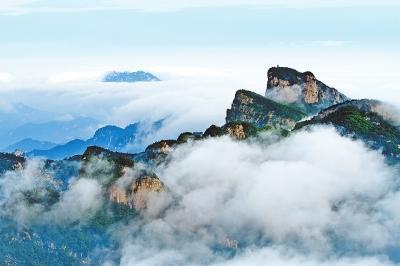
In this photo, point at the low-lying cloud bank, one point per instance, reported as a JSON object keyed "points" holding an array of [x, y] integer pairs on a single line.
{"points": [[314, 198]]}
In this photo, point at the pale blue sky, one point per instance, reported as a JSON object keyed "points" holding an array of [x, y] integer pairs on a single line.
{"points": [[82, 32], [53, 53]]}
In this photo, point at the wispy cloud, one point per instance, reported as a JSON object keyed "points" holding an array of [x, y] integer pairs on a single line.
{"points": [[24, 6]]}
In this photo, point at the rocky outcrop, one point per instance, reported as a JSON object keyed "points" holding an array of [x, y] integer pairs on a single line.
{"points": [[157, 152], [189, 136], [287, 85], [138, 193], [92, 165], [262, 112], [143, 189], [362, 120]]}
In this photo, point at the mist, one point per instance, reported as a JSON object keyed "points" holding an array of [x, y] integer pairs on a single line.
{"points": [[313, 198]]}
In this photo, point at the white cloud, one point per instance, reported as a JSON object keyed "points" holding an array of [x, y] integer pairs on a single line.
{"points": [[5, 77], [314, 198], [79, 202], [81, 76], [21, 6], [290, 203]]}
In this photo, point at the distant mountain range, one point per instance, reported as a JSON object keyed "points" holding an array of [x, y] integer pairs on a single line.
{"points": [[138, 76], [20, 122], [109, 137], [17, 114], [57, 131], [28, 144], [249, 115]]}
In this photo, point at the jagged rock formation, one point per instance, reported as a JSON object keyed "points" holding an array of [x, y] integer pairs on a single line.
{"points": [[262, 112], [138, 193], [362, 120], [287, 85], [157, 152], [237, 130]]}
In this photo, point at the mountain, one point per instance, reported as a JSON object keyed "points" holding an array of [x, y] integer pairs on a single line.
{"points": [[16, 114], [262, 112], [109, 137], [361, 120], [138, 76], [27, 145], [287, 85], [57, 131], [10, 161]]}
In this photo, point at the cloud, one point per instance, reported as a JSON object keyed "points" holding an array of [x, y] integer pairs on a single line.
{"points": [[23, 6], [314, 198], [82, 199], [5, 78], [13, 185], [67, 77]]}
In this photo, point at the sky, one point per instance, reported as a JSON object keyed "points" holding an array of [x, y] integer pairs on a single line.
{"points": [[203, 50]]}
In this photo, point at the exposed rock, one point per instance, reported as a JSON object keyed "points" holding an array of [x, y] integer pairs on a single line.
{"points": [[118, 194], [260, 111], [138, 193], [237, 131], [213, 131], [287, 85], [143, 189], [158, 151]]}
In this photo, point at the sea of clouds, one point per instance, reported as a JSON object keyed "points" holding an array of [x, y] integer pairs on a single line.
{"points": [[314, 198]]}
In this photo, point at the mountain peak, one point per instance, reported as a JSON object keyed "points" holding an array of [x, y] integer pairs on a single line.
{"points": [[261, 111], [125, 76], [288, 85]]}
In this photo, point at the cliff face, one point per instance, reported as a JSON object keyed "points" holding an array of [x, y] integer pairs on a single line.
{"points": [[287, 85], [260, 111], [138, 193]]}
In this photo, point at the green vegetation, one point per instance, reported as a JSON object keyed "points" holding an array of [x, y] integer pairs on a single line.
{"points": [[363, 125], [97, 156], [260, 111]]}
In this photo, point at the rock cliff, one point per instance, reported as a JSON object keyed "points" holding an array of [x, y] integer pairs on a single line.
{"points": [[260, 111], [287, 85]]}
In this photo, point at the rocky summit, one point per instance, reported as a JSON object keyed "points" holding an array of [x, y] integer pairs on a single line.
{"points": [[287, 85], [262, 112]]}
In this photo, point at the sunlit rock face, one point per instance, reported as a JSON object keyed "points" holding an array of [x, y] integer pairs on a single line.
{"points": [[143, 189], [287, 85], [262, 112], [138, 193], [158, 151], [237, 132]]}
